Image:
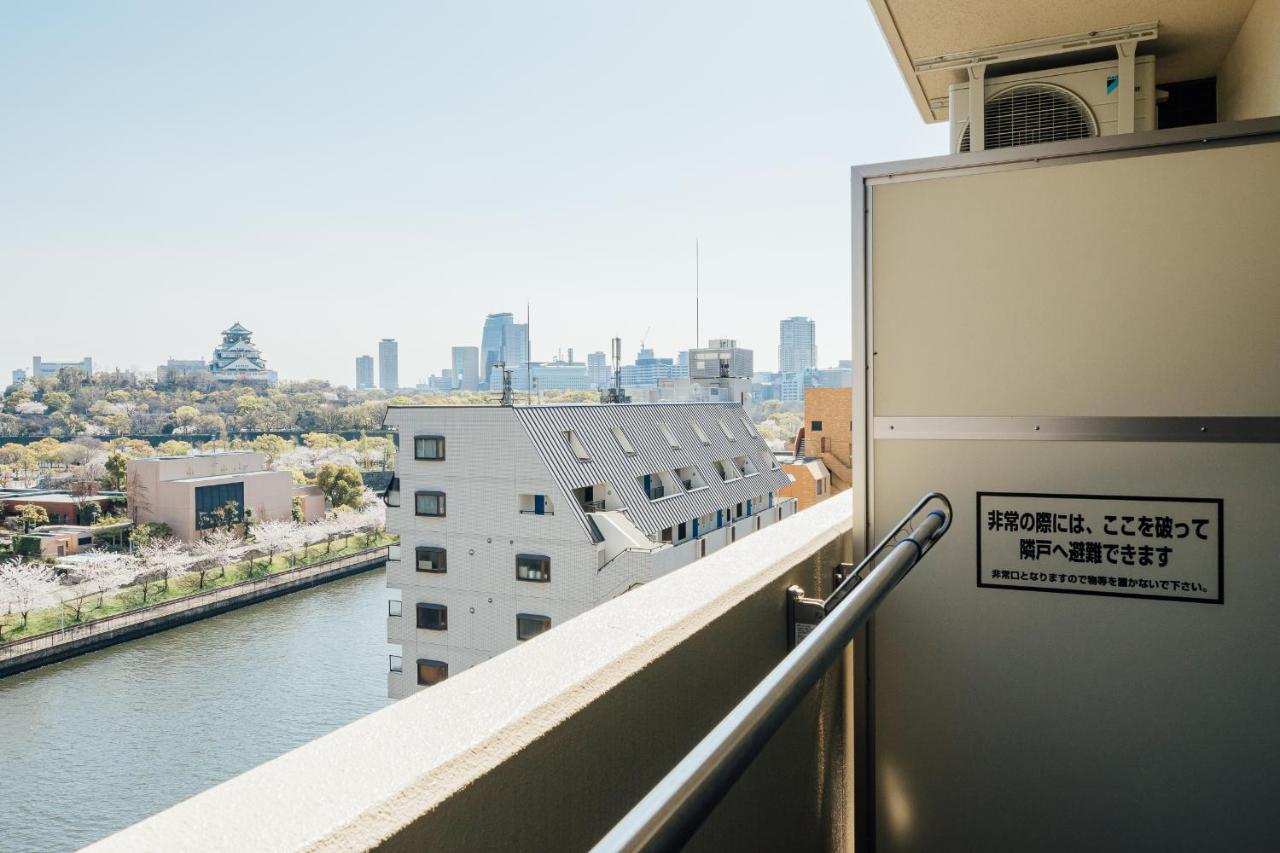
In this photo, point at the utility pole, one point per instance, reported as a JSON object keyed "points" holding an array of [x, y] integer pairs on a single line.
{"points": [[697, 293]]}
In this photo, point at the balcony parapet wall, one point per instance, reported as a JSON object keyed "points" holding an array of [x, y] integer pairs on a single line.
{"points": [[545, 746]]}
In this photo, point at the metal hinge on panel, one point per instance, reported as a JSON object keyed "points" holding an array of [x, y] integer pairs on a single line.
{"points": [[804, 614]]}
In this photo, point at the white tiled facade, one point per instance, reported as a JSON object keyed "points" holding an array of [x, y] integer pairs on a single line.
{"points": [[490, 462]]}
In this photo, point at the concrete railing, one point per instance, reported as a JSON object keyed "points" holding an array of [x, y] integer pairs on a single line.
{"points": [[196, 601], [546, 746]]}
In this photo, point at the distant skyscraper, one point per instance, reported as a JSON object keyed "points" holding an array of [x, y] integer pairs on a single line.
{"points": [[364, 372], [466, 368], [491, 343], [515, 344], [19, 375], [797, 345], [388, 364], [598, 369]]}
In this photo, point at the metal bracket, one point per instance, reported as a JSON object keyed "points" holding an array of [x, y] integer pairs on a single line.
{"points": [[1066, 43], [803, 615]]}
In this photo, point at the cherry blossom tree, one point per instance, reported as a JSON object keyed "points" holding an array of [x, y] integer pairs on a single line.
{"points": [[23, 584], [165, 558], [312, 534], [214, 551], [272, 538], [108, 571]]}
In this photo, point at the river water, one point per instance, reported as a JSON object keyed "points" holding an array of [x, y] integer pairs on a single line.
{"points": [[96, 743]]}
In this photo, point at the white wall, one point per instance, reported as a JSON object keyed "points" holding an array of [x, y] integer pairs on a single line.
{"points": [[489, 461], [1249, 79]]}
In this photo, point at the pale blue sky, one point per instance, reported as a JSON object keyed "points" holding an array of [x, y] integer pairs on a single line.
{"points": [[333, 173]]}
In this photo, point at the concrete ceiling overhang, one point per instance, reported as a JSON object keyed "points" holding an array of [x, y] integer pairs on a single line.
{"points": [[1194, 35]]}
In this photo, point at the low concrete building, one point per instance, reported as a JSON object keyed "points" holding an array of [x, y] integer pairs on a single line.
{"points": [[61, 506], [311, 501], [188, 492], [60, 540]]}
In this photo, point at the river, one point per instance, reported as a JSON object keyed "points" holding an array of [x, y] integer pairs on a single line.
{"points": [[98, 742]]}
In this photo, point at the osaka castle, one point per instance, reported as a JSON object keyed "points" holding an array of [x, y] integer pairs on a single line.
{"points": [[238, 360]]}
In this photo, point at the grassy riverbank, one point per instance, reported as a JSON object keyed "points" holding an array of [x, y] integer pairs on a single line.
{"points": [[180, 586]]}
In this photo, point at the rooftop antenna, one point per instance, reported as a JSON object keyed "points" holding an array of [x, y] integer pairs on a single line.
{"points": [[614, 394], [508, 399], [528, 356], [617, 367], [697, 294]]}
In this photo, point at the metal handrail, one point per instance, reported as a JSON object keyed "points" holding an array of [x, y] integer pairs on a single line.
{"points": [[674, 809]]}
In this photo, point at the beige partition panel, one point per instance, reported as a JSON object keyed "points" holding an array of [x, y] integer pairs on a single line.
{"points": [[1083, 353]]}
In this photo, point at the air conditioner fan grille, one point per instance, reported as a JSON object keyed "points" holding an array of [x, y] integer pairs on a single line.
{"points": [[1033, 113]]}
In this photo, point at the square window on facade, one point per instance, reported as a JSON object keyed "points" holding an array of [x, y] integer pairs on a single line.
{"points": [[432, 671], [433, 617], [428, 503], [429, 447], [529, 625], [392, 495], [533, 567], [431, 559], [815, 426]]}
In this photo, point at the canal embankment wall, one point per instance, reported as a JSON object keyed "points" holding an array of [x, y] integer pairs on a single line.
{"points": [[53, 646]]}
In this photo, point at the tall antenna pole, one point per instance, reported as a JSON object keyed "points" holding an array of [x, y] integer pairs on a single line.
{"points": [[528, 356], [697, 293]]}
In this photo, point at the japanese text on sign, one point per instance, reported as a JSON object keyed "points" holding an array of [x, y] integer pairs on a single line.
{"points": [[1145, 547]]}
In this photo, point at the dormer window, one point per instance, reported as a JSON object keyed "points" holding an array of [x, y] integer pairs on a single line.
{"points": [[623, 441], [726, 470], [690, 478], [745, 465], [575, 444], [697, 430]]}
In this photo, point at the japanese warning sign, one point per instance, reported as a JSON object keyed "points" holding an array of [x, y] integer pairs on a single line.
{"points": [[1142, 547]]}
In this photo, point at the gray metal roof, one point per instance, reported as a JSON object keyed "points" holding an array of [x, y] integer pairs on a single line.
{"points": [[640, 422]]}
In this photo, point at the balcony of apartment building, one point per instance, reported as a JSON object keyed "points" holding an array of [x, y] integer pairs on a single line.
{"points": [[597, 497], [548, 745], [988, 706]]}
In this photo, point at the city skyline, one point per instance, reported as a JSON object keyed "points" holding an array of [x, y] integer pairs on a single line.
{"points": [[386, 195], [388, 377]]}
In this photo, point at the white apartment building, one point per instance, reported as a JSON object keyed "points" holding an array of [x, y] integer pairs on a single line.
{"points": [[515, 519]]}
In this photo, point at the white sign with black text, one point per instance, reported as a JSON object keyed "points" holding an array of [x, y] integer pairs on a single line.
{"points": [[1141, 547]]}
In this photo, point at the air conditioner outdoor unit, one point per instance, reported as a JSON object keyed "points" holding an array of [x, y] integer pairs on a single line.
{"points": [[1076, 102]]}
